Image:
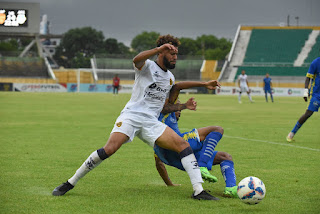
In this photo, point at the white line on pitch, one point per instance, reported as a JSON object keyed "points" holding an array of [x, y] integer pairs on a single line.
{"points": [[264, 141]]}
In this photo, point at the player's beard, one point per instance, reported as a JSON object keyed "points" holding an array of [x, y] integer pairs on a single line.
{"points": [[168, 64]]}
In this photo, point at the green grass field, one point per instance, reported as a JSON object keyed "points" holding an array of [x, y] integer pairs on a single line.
{"points": [[45, 137]]}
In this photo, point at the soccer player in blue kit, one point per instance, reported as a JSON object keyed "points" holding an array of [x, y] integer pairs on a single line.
{"points": [[203, 142], [314, 95], [267, 87]]}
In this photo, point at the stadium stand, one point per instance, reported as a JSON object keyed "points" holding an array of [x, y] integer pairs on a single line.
{"points": [[314, 53], [70, 76], [275, 46], [186, 69], [23, 67], [208, 70], [283, 52]]}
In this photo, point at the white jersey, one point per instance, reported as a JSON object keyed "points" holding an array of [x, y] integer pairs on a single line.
{"points": [[243, 80], [150, 90]]}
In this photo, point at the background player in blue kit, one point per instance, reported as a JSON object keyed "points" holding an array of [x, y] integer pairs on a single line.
{"points": [[314, 95], [267, 85], [203, 142]]}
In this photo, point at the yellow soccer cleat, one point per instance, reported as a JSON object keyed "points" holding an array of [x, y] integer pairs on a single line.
{"points": [[290, 137]]}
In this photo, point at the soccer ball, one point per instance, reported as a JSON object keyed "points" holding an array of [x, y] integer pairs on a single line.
{"points": [[251, 190]]}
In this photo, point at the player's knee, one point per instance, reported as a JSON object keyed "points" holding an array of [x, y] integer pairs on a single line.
{"points": [[182, 145], [226, 156], [220, 129]]}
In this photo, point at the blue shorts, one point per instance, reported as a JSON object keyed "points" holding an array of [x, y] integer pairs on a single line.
{"points": [[267, 91], [193, 139], [314, 104]]}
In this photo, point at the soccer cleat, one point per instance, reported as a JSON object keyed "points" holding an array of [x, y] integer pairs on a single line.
{"points": [[207, 176], [62, 189], [290, 137], [204, 196], [231, 192], [240, 102]]}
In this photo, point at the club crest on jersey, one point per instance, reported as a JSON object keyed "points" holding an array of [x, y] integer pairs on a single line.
{"points": [[171, 81], [119, 124]]}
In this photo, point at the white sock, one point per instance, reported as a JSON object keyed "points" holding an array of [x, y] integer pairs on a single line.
{"points": [[249, 95], [92, 161], [239, 97], [191, 166]]}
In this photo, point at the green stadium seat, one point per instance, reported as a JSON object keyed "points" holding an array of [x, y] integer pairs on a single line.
{"points": [[276, 46], [314, 53]]}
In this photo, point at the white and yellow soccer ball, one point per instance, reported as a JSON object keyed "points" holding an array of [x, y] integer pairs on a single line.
{"points": [[251, 190]]}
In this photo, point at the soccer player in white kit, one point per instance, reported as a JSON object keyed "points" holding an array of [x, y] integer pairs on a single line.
{"points": [[153, 82], [243, 85]]}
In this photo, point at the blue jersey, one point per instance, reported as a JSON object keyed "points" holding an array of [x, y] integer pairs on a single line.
{"points": [[171, 121], [267, 83], [314, 74]]}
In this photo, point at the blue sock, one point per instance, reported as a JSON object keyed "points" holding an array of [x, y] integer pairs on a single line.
{"points": [[271, 97], [209, 144], [296, 127], [227, 170], [266, 96]]}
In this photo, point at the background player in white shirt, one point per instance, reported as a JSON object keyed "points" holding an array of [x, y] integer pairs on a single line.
{"points": [[153, 82], [243, 85]]}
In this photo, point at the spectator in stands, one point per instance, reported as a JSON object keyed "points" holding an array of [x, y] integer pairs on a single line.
{"points": [[116, 84], [267, 87], [314, 96], [243, 85]]}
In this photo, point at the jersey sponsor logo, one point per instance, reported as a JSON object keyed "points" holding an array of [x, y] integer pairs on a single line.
{"points": [[154, 96], [171, 82], [119, 124], [158, 88], [153, 85], [162, 90]]}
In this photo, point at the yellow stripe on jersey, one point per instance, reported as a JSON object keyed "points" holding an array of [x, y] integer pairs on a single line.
{"points": [[310, 76], [312, 85], [165, 117], [155, 155]]}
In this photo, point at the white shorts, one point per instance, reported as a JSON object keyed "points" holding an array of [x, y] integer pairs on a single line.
{"points": [[147, 128], [244, 88]]}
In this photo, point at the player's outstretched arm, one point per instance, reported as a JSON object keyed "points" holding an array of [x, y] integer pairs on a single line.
{"points": [[175, 90], [163, 172], [169, 107], [140, 59]]}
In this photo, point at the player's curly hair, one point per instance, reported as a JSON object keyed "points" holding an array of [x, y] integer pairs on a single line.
{"points": [[168, 39]]}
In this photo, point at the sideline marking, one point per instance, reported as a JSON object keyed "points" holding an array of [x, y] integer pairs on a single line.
{"points": [[282, 144]]}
